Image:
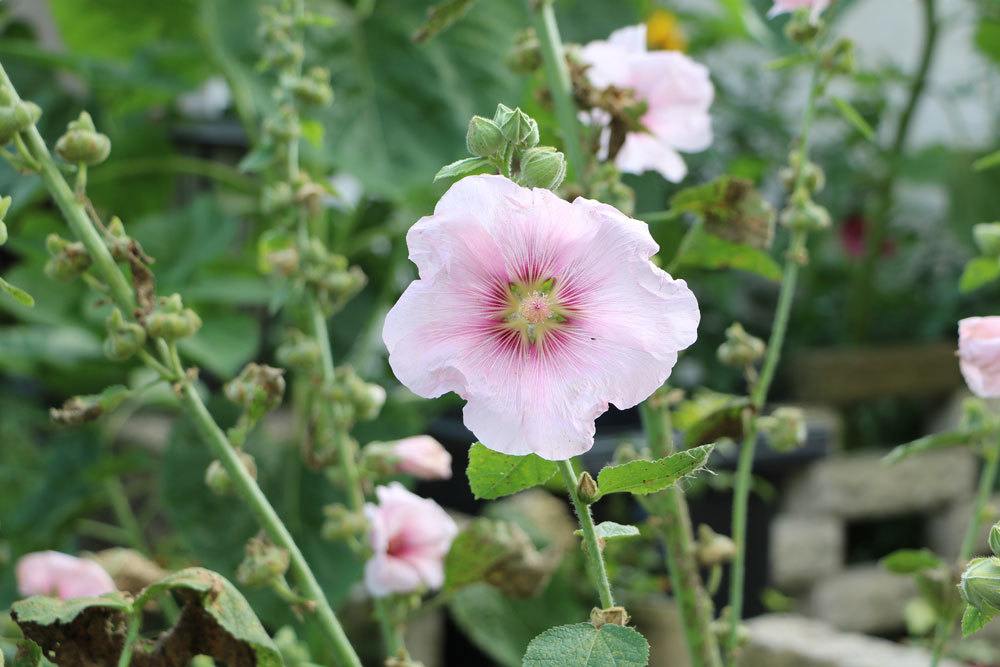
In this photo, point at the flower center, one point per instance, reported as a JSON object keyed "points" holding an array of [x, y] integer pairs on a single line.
{"points": [[534, 309]]}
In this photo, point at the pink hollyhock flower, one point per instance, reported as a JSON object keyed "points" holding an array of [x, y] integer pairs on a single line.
{"points": [[785, 6], [410, 536], [677, 93], [537, 312], [60, 575], [979, 354], [422, 456]]}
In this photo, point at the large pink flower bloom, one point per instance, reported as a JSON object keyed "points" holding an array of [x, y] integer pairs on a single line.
{"points": [[676, 90], [785, 6], [422, 457], [60, 575], [410, 537], [536, 311], [979, 354]]}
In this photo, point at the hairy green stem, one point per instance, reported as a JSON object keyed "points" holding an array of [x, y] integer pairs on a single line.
{"points": [[134, 622], [560, 86], [987, 480], [674, 529], [591, 544]]}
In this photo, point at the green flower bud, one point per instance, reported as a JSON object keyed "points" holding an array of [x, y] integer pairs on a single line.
{"points": [[980, 585], [217, 477], [542, 167], [800, 28], [82, 143], [17, 117], [257, 389], [263, 563], [806, 216], [813, 177], [484, 138], [586, 488], [517, 127], [171, 320], [284, 126], [785, 429], [3, 232], [298, 351], [68, 259], [314, 87], [986, 236], [124, 338], [342, 523], [740, 349], [995, 539]]}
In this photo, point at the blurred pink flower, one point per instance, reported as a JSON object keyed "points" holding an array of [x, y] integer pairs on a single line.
{"points": [[676, 90], [785, 6], [979, 354], [423, 457], [60, 575], [410, 537], [536, 311]]}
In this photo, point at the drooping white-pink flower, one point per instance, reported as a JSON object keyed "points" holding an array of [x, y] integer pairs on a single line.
{"points": [[536, 311], [60, 575], [410, 536], [677, 92], [979, 354], [422, 457], [816, 7]]}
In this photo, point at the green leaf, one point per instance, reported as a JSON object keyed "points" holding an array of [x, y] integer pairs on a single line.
{"points": [[312, 132], [911, 561], [789, 61], [462, 168], [17, 294], [852, 116], [225, 343], [710, 416], [442, 16], [974, 620], [642, 477], [978, 272], [583, 645], [934, 441], [987, 161], [43, 610], [484, 547], [988, 38], [609, 530], [711, 252], [493, 475]]}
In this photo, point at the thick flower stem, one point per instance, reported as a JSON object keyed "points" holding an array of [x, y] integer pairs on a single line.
{"points": [[591, 544], [673, 525], [560, 86], [245, 486], [987, 480]]}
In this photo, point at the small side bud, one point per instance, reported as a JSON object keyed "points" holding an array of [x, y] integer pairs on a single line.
{"points": [[257, 389], [263, 563], [314, 88], [805, 216], [740, 349], [17, 117], [82, 143], [484, 138], [785, 429], [68, 259], [171, 320], [124, 338], [986, 236], [995, 539], [217, 477], [586, 489], [980, 585], [542, 167]]}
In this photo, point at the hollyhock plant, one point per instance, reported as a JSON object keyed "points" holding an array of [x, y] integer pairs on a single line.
{"points": [[677, 92], [410, 537], [61, 575], [422, 457], [816, 7], [979, 354], [538, 312]]}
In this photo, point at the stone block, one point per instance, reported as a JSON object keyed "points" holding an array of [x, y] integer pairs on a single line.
{"points": [[804, 550], [658, 618], [862, 486], [786, 640], [863, 598]]}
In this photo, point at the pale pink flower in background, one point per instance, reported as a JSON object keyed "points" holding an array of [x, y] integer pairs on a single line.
{"points": [[676, 90], [537, 312], [422, 457], [60, 575], [785, 6], [410, 537], [979, 354]]}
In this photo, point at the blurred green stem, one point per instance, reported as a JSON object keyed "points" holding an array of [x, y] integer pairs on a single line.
{"points": [[560, 86], [134, 622], [245, 485], [987, 480], [673, 526], [591, 544]]}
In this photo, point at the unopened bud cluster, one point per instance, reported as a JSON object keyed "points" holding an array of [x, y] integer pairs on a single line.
{"points": [[124, 338], [785, 428], [15, 116], [354, 399], [510, 141], [299, 351], [263, 563], [171, 321], [740, 349], [67, 259], [82, 143], [257, 389], [331, 277], [342, 523]]}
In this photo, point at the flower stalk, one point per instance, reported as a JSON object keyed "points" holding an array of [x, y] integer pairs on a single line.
{"points": [[591, 545]]}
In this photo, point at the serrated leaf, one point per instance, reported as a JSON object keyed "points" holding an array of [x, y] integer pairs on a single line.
{"points": [[974, 620], [609, 530], [442, 16], [643, 477], [978, 272], [583, 645], [711, 252], [17, 294], [462, 168], [987, 162], [494, 475], [910, 561], [852, 116]]}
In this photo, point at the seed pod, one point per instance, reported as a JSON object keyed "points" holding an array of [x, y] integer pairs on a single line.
{"points": [[257, 389], [124, 338], [82, 143]]}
